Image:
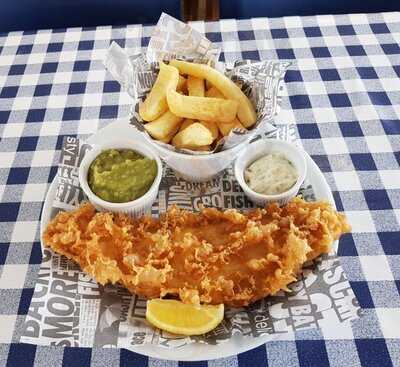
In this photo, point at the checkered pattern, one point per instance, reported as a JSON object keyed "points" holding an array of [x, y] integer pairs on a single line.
{"points": [[343, 95]]}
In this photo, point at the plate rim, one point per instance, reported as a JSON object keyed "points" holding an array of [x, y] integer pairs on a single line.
{"points": [[323, 191]]}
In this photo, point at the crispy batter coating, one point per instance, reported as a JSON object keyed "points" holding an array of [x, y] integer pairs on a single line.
{"points": [[208, 257]]}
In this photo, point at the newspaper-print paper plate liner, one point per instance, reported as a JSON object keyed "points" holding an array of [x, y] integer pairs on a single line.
{"points": [[163, 346]]}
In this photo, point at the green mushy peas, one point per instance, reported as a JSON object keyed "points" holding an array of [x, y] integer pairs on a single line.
{"points": [[122, 175]]}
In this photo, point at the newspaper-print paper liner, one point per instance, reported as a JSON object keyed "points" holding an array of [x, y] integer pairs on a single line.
{"points": [[69, 308], [260, 81], [172, 39]]}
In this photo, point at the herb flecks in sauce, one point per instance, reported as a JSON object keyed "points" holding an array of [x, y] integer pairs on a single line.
{"points": [[271, 174]]}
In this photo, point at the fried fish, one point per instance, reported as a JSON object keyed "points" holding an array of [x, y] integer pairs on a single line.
{"points": [[208, 257]]}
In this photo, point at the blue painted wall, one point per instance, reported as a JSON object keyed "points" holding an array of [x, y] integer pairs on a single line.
{"points": [[40, 14], [279, 8]]}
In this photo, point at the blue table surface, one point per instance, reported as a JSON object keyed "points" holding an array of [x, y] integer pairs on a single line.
{"points": [[343, 95]]}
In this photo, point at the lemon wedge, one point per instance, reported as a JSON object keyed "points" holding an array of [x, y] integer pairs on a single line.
{"points": [[179, 318]]}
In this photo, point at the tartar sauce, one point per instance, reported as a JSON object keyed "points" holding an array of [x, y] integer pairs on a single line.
{"points": [[271, 174]]}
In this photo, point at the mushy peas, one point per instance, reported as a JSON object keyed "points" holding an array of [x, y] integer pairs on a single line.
{"points": [[119, 176], [271, 174]]}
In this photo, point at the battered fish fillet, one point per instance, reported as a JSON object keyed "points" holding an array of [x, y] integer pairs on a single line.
{"points": [[208, 257]]}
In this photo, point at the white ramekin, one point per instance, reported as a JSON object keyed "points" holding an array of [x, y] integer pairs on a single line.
{"points": [[197, 168], [135, 208], [260, 148]]}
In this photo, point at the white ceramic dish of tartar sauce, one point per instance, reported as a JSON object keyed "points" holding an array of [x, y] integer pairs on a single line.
{"points": [[272, 149]]}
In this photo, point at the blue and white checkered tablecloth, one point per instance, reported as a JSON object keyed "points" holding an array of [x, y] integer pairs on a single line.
{"points": [[342, 93]]}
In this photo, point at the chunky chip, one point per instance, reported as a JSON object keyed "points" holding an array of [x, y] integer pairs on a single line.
{"points": [[224, 127], [165, 125], [155, 103], [212, 126], [194, 136], [202, 108], [195, 86], [246, 112]]}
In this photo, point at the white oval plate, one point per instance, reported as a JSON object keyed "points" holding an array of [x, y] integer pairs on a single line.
{"points": [[196, 351]]}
